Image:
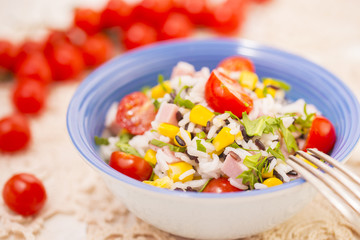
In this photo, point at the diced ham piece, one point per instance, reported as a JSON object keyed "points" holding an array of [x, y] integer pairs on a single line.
{"points": [[183, 69], [232, 167], [167, 114], [172, 158]]}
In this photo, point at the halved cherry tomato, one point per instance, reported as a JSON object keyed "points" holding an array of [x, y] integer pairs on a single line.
{"points": [[24, 194], [117, 13], [176, 26], [65, 61], [26, 49], [139, 34], [225, 94], [321, 135], [35, 66], [220, 185], [14, 133], [237, 63], [29, 95], [135, 113], [88, 20], [97, 49], [153, 12], [130, 165], [8, 53]]}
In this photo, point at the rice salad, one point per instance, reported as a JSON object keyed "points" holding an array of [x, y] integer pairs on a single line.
{"points": [[217, 131]]}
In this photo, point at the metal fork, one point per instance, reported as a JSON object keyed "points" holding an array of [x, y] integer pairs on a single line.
{"points": [[337, 183]]}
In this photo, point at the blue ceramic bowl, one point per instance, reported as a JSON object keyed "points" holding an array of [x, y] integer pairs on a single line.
{"points": [[131, 71]]}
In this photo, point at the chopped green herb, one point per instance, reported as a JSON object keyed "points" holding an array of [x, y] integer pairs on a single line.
{"points": [[209, 140], [255, 163], [305, 123], [252, 161], [204, 186], [233, 116], [156, 104], [145, 89], [101, 141], [161, 82], [200, 147], [201, 135], [173, 148], [183, 102], [289, 139], [234, 145], [124, 137], [276, 152], [257, 127], [126, 148], [249, 177]]}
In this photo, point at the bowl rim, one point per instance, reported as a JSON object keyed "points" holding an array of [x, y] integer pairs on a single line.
{"points": [[242, 43]]}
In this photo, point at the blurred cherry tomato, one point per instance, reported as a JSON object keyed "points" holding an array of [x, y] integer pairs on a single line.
{"points": [[88, 20], [26, 49], [237, 63], [139, 34], [24, 194], [321, 135], [197, 11], [97, 49], [225, 94], [65, 61], [14, 133], [29, 96], [220, 185], [117, 13], [135, 113], [130, 165], [8, 54], [153, 12], [35, 66], [176, 26]]}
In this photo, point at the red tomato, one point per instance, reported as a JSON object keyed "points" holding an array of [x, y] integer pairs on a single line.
{"points": [[237, 63], [35, 66], [88, 20], [8, 54], [135, 113], [14, 133], [139, 34], [197, 11], [153, 11], [24, 194], [220, 185], [29, 96], [65, 61], [225, 94], [130, 165], [76, 36], [97, 49], [321, 135], [117, 13], [176, 26], [26, 49]]}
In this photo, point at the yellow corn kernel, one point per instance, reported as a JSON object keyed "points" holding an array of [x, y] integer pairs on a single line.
{"points": [[239, 136], [150, 157], [267, 174], [168, 130], [272, 182], [155, 177], [177, 169], [177, 143], [160, 90], [223, 139], [271, 91], [164, 182], [259, 92], [308, 162], [201, 115], [248, 79]]}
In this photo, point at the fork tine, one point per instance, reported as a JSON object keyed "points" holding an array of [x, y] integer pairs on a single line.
{"points": [[353, 188], [333, 185], [336, 164], [326, 191]]}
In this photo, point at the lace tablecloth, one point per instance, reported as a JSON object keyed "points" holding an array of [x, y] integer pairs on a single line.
{"points": [[324, 31]]}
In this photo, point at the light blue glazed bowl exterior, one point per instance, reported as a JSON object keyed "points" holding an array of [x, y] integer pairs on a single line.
{"points": [[131, 71]]}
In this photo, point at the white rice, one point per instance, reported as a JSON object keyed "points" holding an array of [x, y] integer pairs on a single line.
{"points": [[186, 174]]}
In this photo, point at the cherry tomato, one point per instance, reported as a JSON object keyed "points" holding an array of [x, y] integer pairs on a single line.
{"points": [[8, 54], [197, 11], [29, 96], [237, 63], [26, 49], [321, 135], [14, 133], [88, 20], [117, 13], [24, 194], [135, 113], [153, 11], [130, 165], [220, 185], [139, 34], [176, 26], [97, 49], [225, 94], [65, 61], [35, 66]]}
